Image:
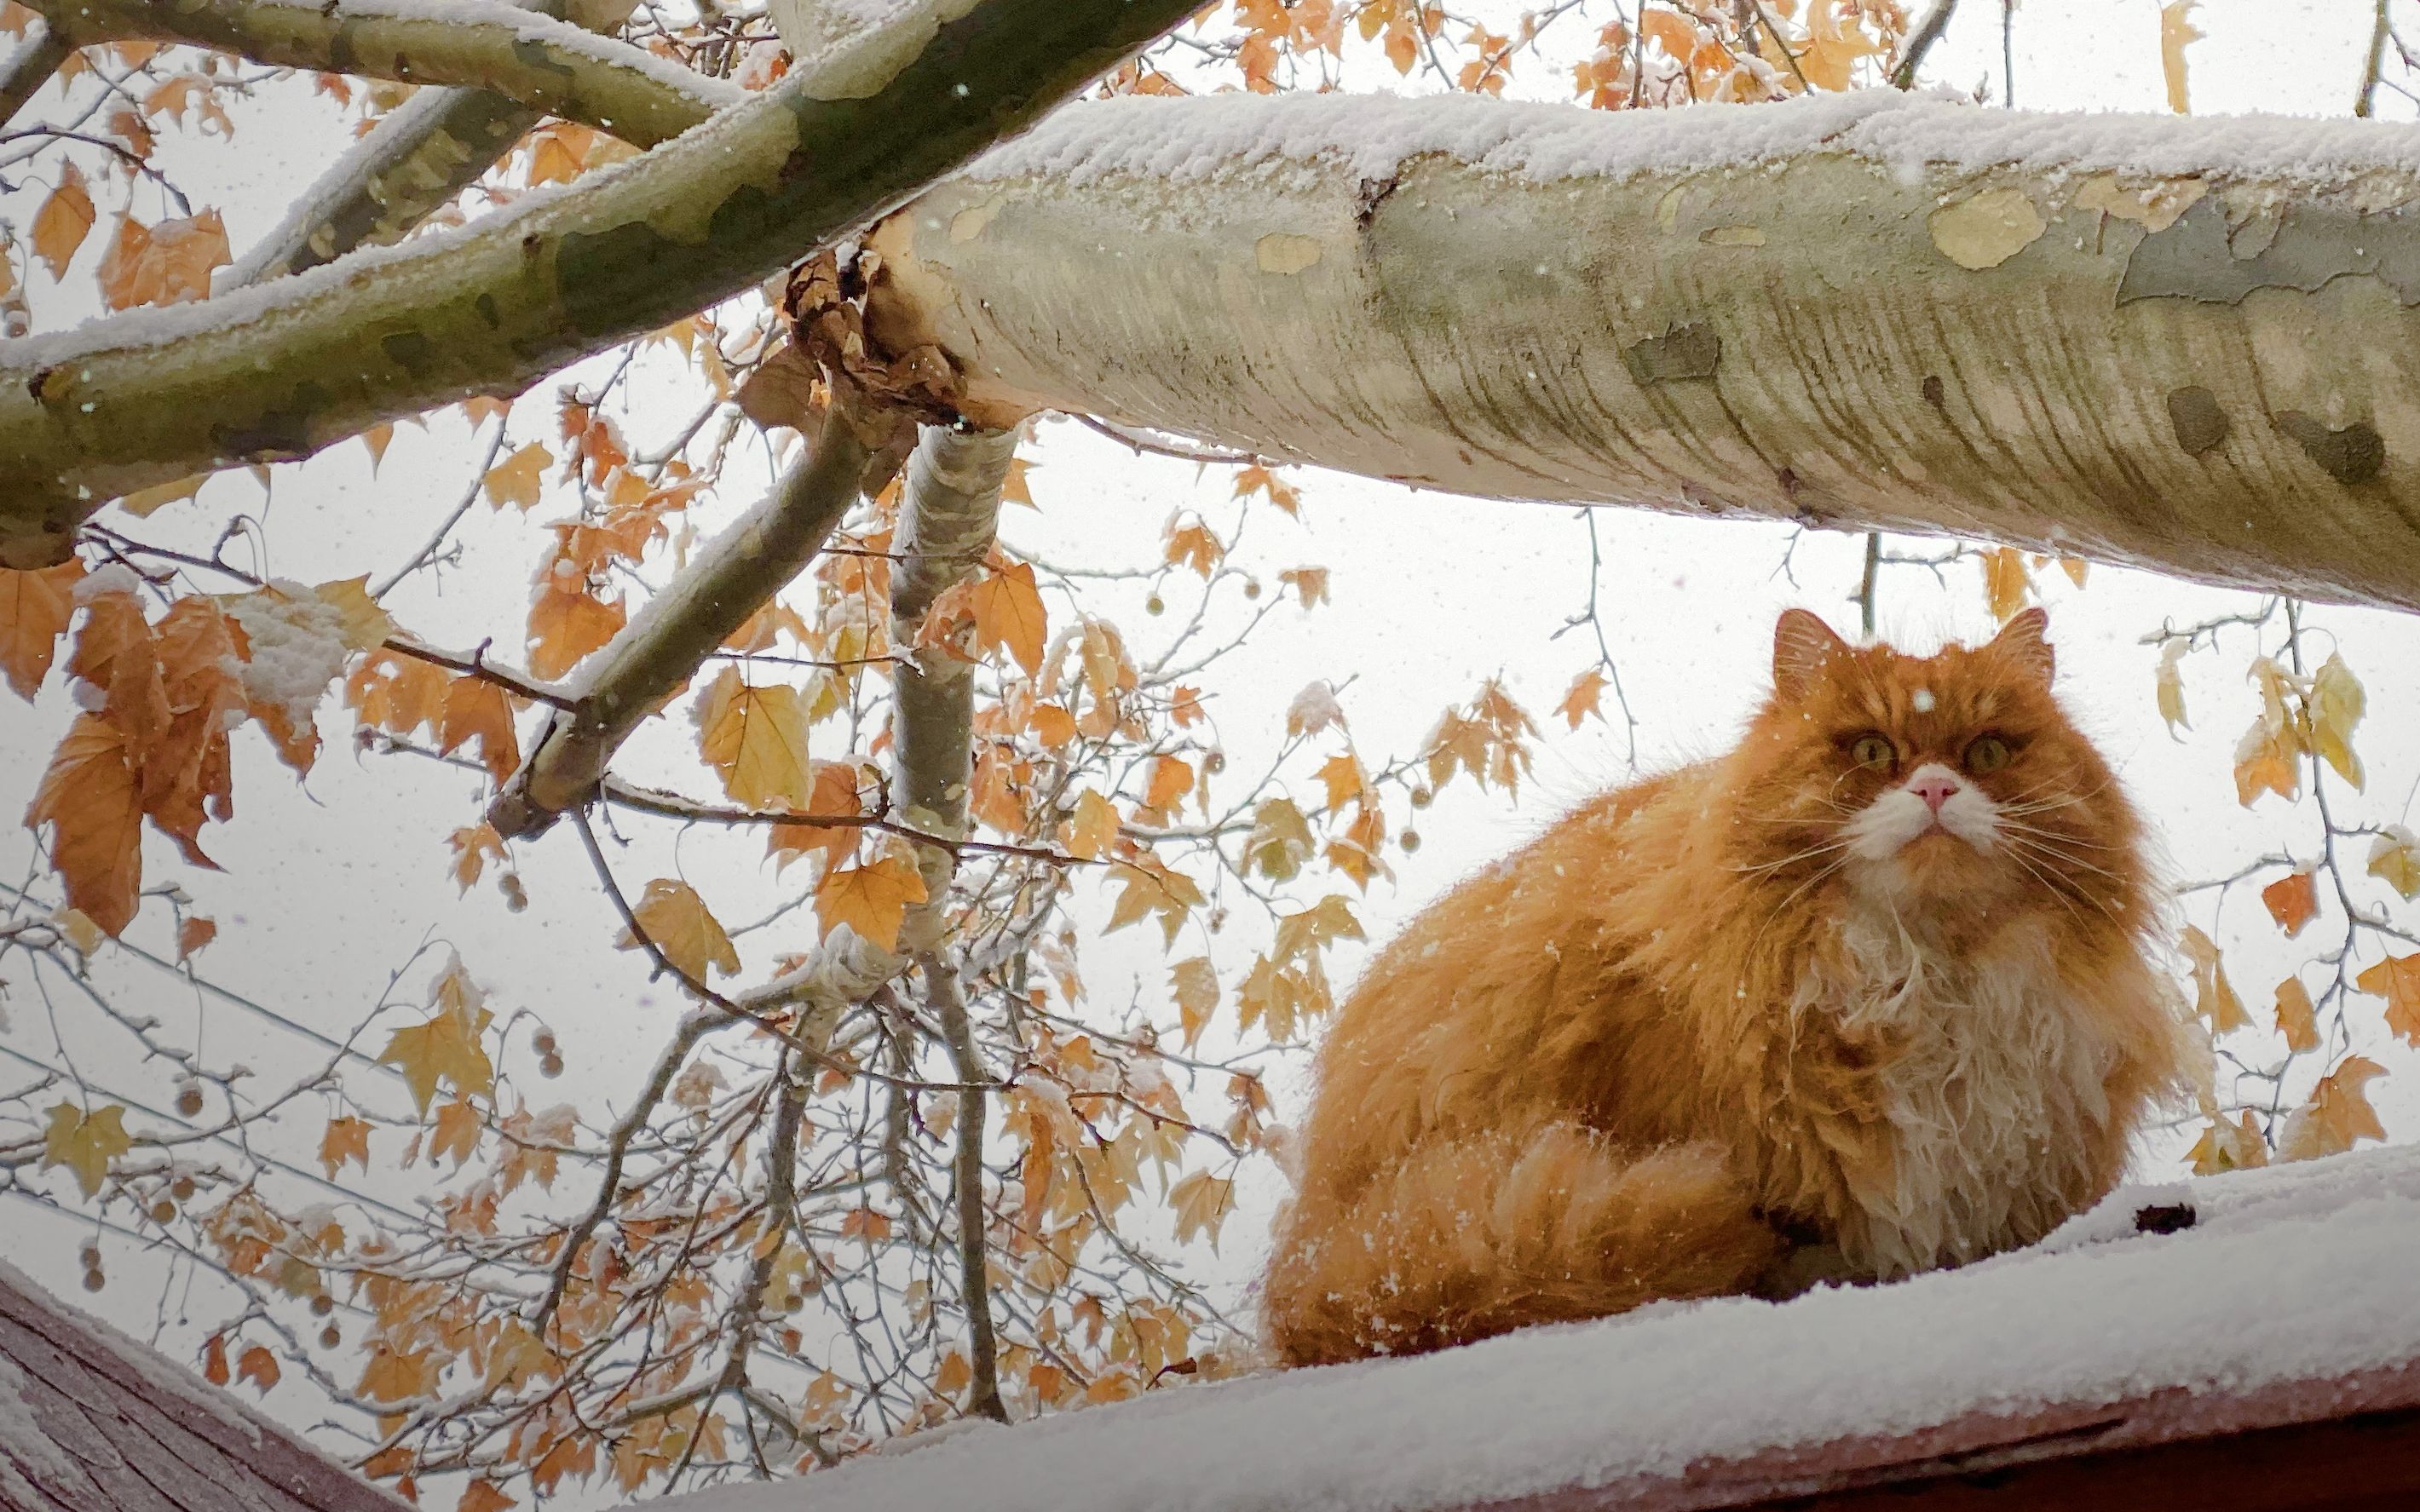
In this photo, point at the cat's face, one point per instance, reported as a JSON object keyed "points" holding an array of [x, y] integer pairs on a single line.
{"points": [[1943, 780]]}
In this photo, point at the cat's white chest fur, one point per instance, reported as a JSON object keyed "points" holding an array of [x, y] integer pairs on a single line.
{"points": [[1991, 1106]]}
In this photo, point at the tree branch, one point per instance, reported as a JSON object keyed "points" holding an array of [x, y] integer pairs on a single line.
{"points": [[974, 1253], [660, 649], [30, 67], [280, 370], [947, 515], [1936, 22], [2374, 65], [2209, 411], [534, 60], [418, 157]]}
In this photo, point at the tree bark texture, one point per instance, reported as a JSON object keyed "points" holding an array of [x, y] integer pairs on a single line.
{"points": [[1914, 315], [278, 371]]}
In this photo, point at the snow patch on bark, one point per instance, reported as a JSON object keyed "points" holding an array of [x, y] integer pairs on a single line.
{"points": [[1907, 134]]}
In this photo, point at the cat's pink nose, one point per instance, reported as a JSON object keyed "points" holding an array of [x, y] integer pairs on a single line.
{"points": [[1935, 789]]}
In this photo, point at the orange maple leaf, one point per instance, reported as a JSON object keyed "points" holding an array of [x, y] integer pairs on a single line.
{"points": [[2292, 902], [2397, 978], [34, 608], [871, 900], [90, 799]]}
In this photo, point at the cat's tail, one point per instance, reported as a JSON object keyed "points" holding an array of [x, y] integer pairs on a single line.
{"points": [[1467, 1239]]}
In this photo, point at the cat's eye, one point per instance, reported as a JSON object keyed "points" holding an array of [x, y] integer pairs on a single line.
{"points": [[1986, 755], [1873, 751]]}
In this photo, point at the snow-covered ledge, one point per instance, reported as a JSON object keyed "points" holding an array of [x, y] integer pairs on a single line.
{"points": [[2290, 1299], [2185, 344]]}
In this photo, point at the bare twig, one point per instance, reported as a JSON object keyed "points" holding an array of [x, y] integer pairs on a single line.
{"points": [[1920, 43]]}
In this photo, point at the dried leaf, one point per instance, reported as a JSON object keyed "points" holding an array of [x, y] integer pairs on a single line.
{"points": [[2337, 703], [1313, 709], [871, 900], [63, 222], [564, 628], [2266, 761], [447, 1046], [2337, 1114], [1201, 1202], [193, 933], [2293, 900], [2006, 582], [1008, 614], [85, 1143], [515, 480], [2397, 978], [1194, 983], [757, 738], [1582, 701], [2170, 683], [1092, 828], [90, 797], [259, 1366], [2216, 1001], [2297, 1020], [1149, 888], [2177, 33], [476, 709], [677, 922], [1280, 841], [345, 1139], [2229, 1147], [2395, 859], [34, 608]]}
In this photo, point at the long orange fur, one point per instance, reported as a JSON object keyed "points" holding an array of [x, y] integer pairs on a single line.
{"points": [[1692, 1040]]}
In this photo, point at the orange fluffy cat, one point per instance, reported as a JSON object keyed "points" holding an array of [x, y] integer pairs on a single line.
{"points": [[1867, 996]]}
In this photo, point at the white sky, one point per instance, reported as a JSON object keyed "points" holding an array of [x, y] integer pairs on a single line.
{"points": [[331, 885]]}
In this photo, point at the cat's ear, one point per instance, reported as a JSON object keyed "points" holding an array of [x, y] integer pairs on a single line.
{"points": [[1803, 646], [2021, 641]]}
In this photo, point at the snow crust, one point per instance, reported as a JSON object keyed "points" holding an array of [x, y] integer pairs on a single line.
{"points": [[2291, 1273], [1372, 136], [298, 648]]}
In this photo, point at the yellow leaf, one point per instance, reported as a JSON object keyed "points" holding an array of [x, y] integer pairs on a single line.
{"points": [[2296, 1018], [872, 898], [2397, 978], [2229, 1147], [2337, 1114], [2169, 682], [473, 844], [447, 1046], [515, 480], [90, 798], [2395, 859], [363, 626], [2292, 901], [1193, 547], [1194, 982], [1587, 690], [757, 738], [398, 1376], [2177, 33], [347, 1139], [34, 608], [85, 1143], [145, 502], [1008, 613], [476, 709], [1092, 828], [457, 1132], [2006, 582], [677, 922], [1149, 888], [1279, 840], [2337, 703], [1202, 1201], [1343, 779], [63, 222], [2265, 762], [2216, 1001]]}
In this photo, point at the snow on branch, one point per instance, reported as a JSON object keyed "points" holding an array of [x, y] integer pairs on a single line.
{"points": [[533, 59], [277, 371]]}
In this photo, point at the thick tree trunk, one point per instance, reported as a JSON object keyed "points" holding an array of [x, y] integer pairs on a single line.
{"points": [[2187, 345]]}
